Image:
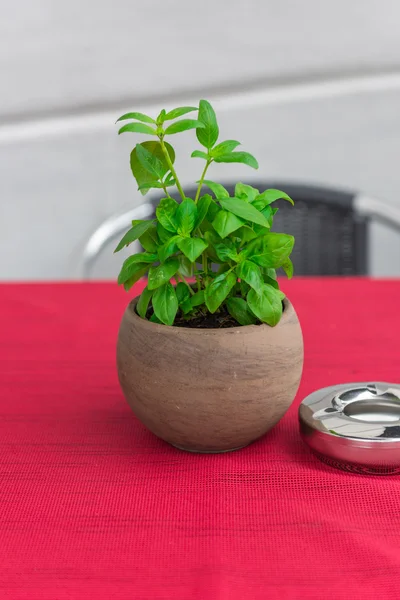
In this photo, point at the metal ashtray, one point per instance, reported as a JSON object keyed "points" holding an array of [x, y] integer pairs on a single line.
{"points": [[354, 426]]}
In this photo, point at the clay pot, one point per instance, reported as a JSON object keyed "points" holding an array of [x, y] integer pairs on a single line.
{"points": [[209, 390]]}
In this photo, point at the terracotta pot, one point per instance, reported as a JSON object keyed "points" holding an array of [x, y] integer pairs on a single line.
{"points": [[209, 390]]}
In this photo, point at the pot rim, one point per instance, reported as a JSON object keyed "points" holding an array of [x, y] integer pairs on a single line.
{"points": [[288, 311]]}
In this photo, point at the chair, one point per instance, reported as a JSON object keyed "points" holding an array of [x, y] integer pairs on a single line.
{"points": [[331, 228], [97, 260]]}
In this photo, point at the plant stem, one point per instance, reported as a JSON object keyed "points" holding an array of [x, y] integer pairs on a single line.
{"points": [[208, 163], [188, 284], [198, 279], [205, 263], [171, 168], [204, 255], [166, 191]]}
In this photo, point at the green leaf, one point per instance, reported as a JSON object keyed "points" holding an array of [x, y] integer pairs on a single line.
{"points": [[199, 154], [169, 180], [261, 229], [186, 307], [224, 148], [269, 276], [143, 302], [213, 210], [238, 157], [185, 266], [182, 292], [150, 186], [270, 196], [163, 273], [212, 238], [137, 128], [183, 125], [139, 273], [138, 116], [197, 299], [155, 319], [288, 268], [268, 213], [169, 248], [240, 311], [186, 216], [133, 264], [258, 204], [246, 234], [165, 213], [268, 272], [202, 209], [267, 305], [208, 135], [163, 234], [225, 223], [244, 288], [139, 227], [143, 257], [226, 250], [170, 183], [223, 268], [150, 162], [149, 240], [246, 192], [243, 209], [217, 189], [165, 303], [216, 292], [251, 274], [206, 226], [270, 250], [179, 112], [141, 174], [192, 247], [270, 281], [161, 117]]}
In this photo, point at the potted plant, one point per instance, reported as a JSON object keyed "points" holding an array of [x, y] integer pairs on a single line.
{"points": [[213, 362]]}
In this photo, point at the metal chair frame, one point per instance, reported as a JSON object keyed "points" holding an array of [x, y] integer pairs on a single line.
{"points": [[365, 208]]}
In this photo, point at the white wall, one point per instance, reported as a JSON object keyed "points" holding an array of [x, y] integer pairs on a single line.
{"points": [[311, 88]]}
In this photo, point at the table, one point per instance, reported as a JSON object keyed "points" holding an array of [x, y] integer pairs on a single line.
{"points": [[94, 506]]}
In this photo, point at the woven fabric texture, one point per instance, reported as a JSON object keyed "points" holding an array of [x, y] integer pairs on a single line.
{"points": [[92, 505]]}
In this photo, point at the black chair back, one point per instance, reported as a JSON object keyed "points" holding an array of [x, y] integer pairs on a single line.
{"points": [[331, 238]]}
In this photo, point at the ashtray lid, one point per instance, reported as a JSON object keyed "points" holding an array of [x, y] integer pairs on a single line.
{"points": [[365, 411]]}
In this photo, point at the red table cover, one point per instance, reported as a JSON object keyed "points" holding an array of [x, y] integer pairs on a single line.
{"points": [[92, 505]]}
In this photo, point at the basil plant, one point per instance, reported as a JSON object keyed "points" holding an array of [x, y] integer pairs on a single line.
{"points": [[219, 249]]}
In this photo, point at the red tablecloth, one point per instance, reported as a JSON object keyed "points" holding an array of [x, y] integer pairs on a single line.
{"points": [[94, 506]]}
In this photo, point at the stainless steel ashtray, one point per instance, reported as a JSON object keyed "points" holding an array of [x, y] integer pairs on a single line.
{"points": [[354, 426]]}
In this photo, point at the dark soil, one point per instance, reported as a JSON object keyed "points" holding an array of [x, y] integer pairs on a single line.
{"points": [[219, 320]]}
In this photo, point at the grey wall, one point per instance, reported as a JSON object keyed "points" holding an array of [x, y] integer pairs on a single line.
{"points": [[311, 88]]}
